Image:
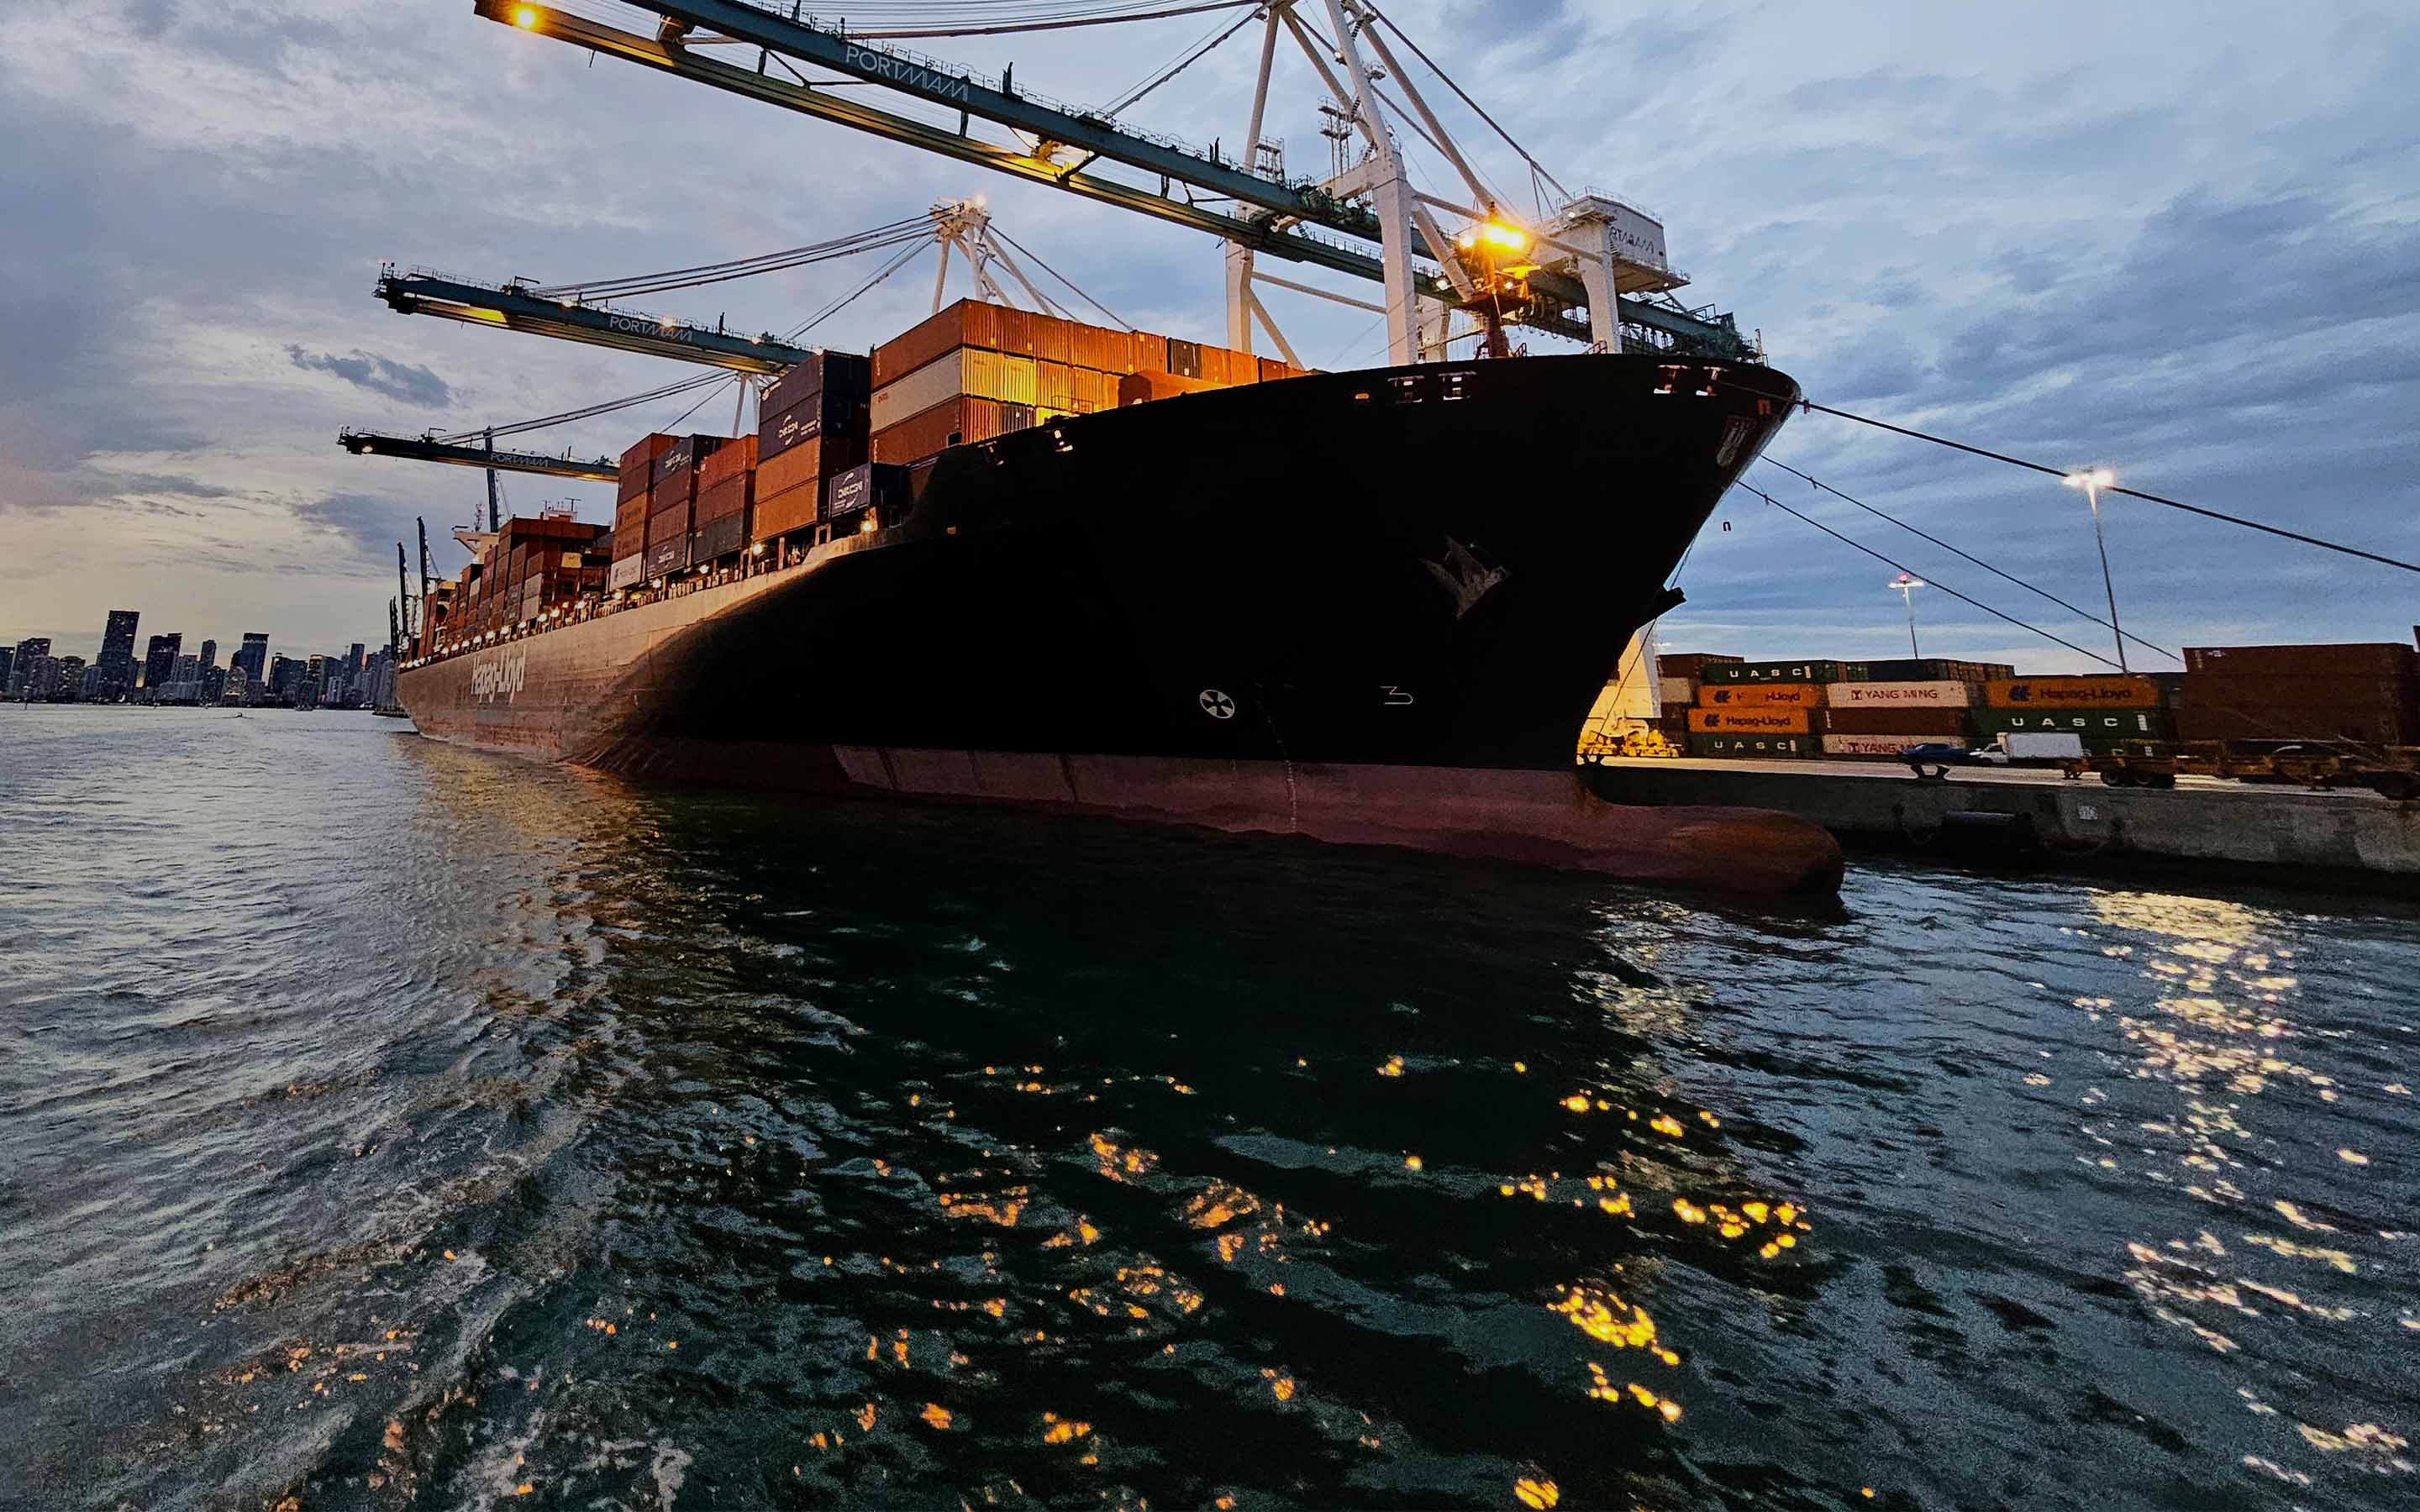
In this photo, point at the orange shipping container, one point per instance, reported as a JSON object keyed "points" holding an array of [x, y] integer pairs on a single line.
{"points": [[1218, 366], [1142, 387], [809, 462], [1150, 353], [792, 509], [725, 462], [1053, 338], [967, 323], [1758, 696], [1747, 721], [1016, 332], [1054, 386], [961, 422], [1271, 369], [1087, 346], [630, 518], [2072, 693]]}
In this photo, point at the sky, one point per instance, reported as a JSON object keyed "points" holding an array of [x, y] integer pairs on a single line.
{"points": [[2179, 238]]}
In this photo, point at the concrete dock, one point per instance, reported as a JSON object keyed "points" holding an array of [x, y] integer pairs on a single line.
{"points": [[2044, 814]]}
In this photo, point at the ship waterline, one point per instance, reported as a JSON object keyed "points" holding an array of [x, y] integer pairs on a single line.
{"points": [[1370, 607]]}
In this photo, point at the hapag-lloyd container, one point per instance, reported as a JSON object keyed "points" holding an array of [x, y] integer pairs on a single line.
{"points": [[1769, 695], [628, 571], [1767, 721], [1898, 695], [2072, 693]]}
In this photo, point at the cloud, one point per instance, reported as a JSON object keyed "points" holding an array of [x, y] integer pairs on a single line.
{"points": [[379, 375]]}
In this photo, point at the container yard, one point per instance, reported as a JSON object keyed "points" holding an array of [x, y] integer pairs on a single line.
{"points": [[2300, 756]]}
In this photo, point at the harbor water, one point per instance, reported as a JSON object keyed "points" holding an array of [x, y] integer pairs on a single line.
{"points": [[385, 1125]]}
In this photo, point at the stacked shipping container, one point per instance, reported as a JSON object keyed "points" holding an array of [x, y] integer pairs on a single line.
{"points": [[2367, 693], [813, 429], [976, 372]]}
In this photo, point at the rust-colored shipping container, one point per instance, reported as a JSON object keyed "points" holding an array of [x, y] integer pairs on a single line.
{"points": [[2369, 659], [1218, 366], [1087, 346], [1271, 369], [1053, 338], [1018, 332], [961, 422], [638, 463], [631, 519], [1142, 387], [810, 462], [792, 509], [729, 461], [967, 323], [2384, 710], [1895, 721], [667, 525], [1150, 353], [724, 499]]}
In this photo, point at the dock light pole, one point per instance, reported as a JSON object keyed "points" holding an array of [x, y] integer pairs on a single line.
{"points": [[2092, 480], [1906, 587]]}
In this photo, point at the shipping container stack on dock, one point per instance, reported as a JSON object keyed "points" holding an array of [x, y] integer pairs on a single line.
{"points": [[2363, 694], [530, 572], [2113, 715], [1846, 710]]}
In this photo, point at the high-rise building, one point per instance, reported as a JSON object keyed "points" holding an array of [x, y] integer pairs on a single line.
{"points": [[284, 673], [95, 679], [238, 687], [7, 667], [116, 661], [160, 659], [66, 679], [253, 657], [353, 666], [214, 682], [209, 657], [32, 649]]}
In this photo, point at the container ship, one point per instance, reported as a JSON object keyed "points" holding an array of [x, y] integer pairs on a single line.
{"points": [[1010, 558]]}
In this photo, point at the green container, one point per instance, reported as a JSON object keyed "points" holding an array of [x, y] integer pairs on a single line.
{"points": [[2092, 724], [1801, 748], [1783, 671]]}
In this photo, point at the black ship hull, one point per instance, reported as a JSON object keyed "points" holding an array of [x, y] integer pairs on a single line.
{"points": [[1393, 581]]}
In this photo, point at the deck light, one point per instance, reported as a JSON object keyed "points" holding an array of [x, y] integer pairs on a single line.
{"points": [[525, 17]]}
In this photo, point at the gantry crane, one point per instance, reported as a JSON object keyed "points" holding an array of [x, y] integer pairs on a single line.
{"points": [[515, 307], [431, 449], [1596, 272]]}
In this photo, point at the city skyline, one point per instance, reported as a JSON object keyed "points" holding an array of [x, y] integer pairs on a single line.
{"points": [[45, 669]]}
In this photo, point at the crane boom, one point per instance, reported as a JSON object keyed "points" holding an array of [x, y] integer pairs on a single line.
{"points": [[510, 308], [1274, 206], [426, 449]]}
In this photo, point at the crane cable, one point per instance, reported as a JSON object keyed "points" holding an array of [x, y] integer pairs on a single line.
{"points": [[2130, 493], [1062, 278], [1944, 587], [1970, 556], [678, 278], [1004, 28]]}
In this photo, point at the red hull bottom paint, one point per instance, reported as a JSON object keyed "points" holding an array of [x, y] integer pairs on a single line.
{"points": [[1535, 818]]}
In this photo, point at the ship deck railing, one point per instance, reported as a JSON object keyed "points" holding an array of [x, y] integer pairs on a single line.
{"points": [[595, 609]]}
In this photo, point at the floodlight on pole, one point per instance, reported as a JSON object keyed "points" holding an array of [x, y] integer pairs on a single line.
{"points": [[1905, 587], [2092, 480]]}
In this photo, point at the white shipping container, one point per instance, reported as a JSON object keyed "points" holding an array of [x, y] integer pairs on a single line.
{"points": [[627, 571], [1886, 745], [966, 370], [1898, 695], [2044, 745], [1679, 690]]}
